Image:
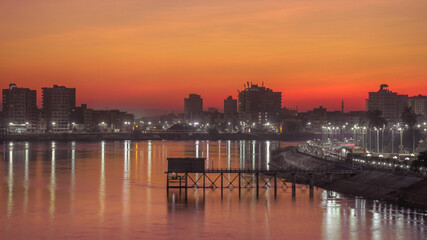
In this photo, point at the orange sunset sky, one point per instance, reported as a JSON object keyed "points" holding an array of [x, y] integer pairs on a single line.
{"points": [[147, 55]]}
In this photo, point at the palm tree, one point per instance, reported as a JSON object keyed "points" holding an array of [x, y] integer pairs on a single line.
{"points": [[409, 118], [376, 121]]}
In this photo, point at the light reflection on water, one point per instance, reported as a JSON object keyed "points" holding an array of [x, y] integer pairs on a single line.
{"points": [[117, 189]]}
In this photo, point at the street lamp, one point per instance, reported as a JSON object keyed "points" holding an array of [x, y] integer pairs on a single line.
{"points": [[363, 136], [392, 139], [401, 138], [378, 139]]}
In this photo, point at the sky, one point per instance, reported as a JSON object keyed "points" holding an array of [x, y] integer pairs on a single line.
{"points": [[147, 55]]}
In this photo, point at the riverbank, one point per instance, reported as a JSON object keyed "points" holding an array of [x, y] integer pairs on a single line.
{"points": [[403, 189], [152, 136]]}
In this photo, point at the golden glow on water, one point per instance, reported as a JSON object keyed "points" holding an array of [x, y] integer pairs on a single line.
{"points": [[219, 154], [149, 161], [136, 168], [102, 183], [228, 154], [10, 182], [243, 156], [197, 148], [126, 179], [73, 174], [117, 189], [52, 186], [253, 154], [26, 178], [267, 154], [207, 155]]}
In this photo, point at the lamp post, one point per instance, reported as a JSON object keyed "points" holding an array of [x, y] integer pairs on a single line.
{"points": [[378, 139], [342, 132], [392, 139], [354, 134], [363, 136], [382, 138], [401, 138]]}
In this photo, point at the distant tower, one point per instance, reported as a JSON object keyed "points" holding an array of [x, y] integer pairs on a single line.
{"points": [[193, 107], [58, 102], [342, 106]]}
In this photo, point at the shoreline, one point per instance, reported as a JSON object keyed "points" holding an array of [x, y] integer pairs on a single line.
{"points": [[402, 189], [152, 136]]}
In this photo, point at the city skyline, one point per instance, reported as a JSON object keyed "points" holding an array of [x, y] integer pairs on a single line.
{"points": [[146, 50], [142, 112], [243, 119]]}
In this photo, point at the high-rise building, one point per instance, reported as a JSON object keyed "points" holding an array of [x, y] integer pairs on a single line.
{"points": [[81, 118], [419, 105], [58, 102], [389, 103], [19, 108], [259, 104], [230, 109], [193, 107]]}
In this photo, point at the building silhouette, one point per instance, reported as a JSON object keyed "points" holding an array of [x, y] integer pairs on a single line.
{"points": [[230, 109], [389, 103], [112, 120], [81, 119], [193, 107], [20, 108], [419, 105], [258, 104], [58, 102]]}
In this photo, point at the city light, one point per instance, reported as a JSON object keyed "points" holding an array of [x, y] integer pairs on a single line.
{"points": [[255, 119]]}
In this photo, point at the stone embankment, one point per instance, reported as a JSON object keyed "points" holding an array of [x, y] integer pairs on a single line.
{"points": [[400, 188]]}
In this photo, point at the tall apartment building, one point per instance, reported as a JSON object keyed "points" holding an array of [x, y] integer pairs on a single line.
{"points": [[230, 109], [58, 102], [20, 108], [419, 105], [81, 118], [259, 104], [389, 103], [193, 107]]}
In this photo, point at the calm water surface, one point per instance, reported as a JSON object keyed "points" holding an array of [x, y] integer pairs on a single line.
{"points": [[116, 190]]}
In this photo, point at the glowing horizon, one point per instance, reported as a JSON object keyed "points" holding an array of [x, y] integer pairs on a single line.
{"points": [[147, 55]]}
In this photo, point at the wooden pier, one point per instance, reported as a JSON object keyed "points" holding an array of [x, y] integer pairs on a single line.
{"points": [[245, 179]]}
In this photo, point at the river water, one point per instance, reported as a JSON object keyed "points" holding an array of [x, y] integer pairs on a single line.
{"points": [[117, 190]]}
